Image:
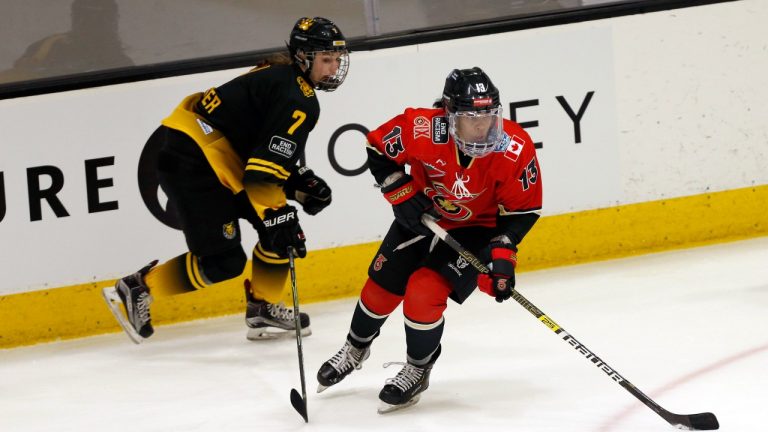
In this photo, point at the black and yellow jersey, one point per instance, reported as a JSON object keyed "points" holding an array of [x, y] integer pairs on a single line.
{"points": [[252, 129]]}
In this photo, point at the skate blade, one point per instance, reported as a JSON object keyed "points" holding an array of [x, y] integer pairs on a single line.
{"points": [[115, 306], [385, 408], [271, 333]]}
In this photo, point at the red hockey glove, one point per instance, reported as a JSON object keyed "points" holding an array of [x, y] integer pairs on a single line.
{"points": [[408, 204], [501, 281]]}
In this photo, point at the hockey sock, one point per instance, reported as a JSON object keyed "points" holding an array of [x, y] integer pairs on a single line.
{"points": [[269, 274], [372, 310], [176, 276], [422, 340]]}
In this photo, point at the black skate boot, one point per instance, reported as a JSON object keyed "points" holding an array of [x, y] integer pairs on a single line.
{"points": [[134, 295], [406, 387], [348, 359], [271, 321]]}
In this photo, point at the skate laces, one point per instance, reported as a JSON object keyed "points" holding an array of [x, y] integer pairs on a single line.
{"points": [[408, 376], [347, 357], [142, 307], [280, 312]]}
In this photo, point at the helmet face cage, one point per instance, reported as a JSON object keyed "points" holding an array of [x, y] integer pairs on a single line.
{"points": [[476, 133], [474, 111], [330, 83], [312, 36]]}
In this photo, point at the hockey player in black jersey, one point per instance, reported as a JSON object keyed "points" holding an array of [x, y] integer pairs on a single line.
{"points": [[232, 153]]}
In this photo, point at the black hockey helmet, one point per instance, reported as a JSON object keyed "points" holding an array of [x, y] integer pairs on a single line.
{"points": [[474, 111], [312, 35], [469, 90]]}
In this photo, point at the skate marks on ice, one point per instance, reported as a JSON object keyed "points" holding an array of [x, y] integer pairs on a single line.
{"points": [[657, 319]]}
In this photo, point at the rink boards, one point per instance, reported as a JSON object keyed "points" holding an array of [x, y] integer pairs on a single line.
{"points": [[648, 141]]}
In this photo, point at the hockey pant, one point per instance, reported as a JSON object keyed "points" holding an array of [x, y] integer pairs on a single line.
{"points": [[425, 299], [188, 273]]}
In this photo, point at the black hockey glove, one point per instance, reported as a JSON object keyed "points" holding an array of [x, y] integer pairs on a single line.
{"points": [[501, 281], [283, 230], [308, 189], [409, 203]]}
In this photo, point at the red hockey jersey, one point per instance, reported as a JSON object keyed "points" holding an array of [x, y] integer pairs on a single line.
{"points": [[506, 182]]}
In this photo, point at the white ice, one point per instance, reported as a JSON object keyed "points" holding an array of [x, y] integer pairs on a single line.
{"points": [[686, 327]]}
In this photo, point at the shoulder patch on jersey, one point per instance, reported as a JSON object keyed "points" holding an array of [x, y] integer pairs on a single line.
{"points": [[283, 147], [229, 230], [305, 87], [502, 145], [207, 129], [515, 148], [421, 128], [439, 130]]}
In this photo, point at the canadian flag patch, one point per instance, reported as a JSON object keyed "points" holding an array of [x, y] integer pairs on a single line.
{"points": [[514, 148]]}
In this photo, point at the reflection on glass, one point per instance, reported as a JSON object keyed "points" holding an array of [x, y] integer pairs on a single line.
{"points": [[91, 44]]}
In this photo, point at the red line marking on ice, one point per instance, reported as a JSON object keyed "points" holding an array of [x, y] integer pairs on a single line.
{"points": [[613, 421]]}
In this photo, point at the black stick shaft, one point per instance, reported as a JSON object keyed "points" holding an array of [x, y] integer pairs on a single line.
{"points": [[297, 323], [703, 421]]}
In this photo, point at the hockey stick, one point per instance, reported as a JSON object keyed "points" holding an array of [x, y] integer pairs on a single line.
{"points": [[299, 402], [701, 421]]}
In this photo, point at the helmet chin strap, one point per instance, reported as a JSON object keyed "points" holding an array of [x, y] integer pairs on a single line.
{"points": [[305, 64], [302, 59]]}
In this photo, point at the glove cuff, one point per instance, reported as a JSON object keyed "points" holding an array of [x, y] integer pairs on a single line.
{"points": [[293, 183], [504, 252], [400, 190]]}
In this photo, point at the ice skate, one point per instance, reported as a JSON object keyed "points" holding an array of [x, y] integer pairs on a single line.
{"points": [[133, 294], [272, 321], [406, 387], [348, 359]]}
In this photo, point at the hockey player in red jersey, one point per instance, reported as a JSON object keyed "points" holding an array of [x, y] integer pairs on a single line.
{"points": [[478, 174]]}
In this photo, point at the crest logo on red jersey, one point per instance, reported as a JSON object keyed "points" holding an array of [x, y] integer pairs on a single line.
{"points": [[459, 189], [515, 148], [446, 205]]}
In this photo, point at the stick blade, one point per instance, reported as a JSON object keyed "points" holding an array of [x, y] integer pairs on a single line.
{"points": [[704, 421], [701, 421], [299, 404]]}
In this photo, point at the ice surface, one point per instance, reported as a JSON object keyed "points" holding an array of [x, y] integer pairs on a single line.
{"points": [[686, 327]]}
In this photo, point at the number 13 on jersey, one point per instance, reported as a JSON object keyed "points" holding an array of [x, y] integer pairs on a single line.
{"points": [[530, 175]]}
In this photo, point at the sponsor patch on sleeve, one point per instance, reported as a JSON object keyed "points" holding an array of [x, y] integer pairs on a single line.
{"points": [[439, 130], [421, 127], [282, 146]]}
